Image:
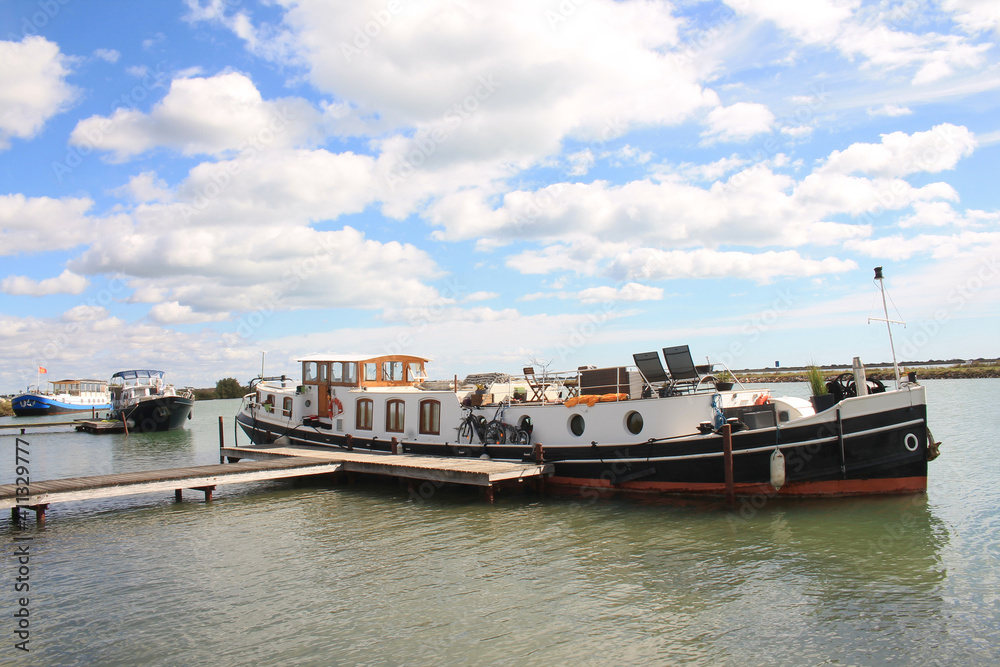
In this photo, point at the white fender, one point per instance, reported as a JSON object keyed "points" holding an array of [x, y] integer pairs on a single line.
{"points": [[777, 469]]}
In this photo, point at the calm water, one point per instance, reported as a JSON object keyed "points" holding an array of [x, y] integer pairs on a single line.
{"points": [[311, 574]]}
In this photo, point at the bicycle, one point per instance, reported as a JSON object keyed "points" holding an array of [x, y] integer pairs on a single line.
{"points": [[493, 432]]}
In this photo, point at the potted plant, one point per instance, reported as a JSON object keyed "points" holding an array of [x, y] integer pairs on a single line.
{"points": [[724, 381], [821, 398]]}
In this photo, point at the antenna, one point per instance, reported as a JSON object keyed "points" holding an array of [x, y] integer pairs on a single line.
{"points": [[885, 309], [262, 353]]}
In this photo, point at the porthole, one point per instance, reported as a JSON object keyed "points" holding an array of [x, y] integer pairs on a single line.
{"points": [[308, 402], [633, 422], [576, 425]]}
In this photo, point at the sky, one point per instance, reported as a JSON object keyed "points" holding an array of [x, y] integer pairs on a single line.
{"points": [[213, 187]]}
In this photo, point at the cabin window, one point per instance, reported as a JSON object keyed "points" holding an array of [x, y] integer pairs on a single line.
{"points": [[576, 425], [322, 372], [392, 371], [364, 414], [350, 372], [416, 372], [309, 371], [371, 372], [286, 407], [336, 372], [430, 417], [394, 415], [633, 422]]}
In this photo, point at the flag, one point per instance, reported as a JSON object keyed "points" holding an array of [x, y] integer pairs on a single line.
{"points": [[42, 370]]}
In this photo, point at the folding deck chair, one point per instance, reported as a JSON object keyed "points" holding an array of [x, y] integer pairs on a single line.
{"points": [[537, 388], [683, 373], [652, 372]]}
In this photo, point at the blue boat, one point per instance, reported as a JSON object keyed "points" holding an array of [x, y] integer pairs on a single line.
{"points": [[67, 396]]}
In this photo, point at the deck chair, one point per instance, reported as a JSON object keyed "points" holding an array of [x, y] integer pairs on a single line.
{"points": [[651, 371], [537, 388], [683, 373]]}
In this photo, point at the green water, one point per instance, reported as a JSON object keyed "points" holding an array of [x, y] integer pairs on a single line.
{"points": [[307, 574]]}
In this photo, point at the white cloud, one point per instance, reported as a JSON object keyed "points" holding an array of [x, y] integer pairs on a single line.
{"points": [[900, 154], [43, 224], [653, 264], [627, 292], [975, 15], [65, 283], [941, 214], [107, 55], [214, 116], [591, 78], [738, 122], [890, 110], [33, 87], [172, 312]]}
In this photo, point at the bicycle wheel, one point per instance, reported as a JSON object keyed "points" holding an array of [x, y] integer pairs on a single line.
{"points": [[465, 432], [495, 434], [522, 437]]}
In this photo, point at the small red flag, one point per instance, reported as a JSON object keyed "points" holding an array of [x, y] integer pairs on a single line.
{"points": [[42, 370]]}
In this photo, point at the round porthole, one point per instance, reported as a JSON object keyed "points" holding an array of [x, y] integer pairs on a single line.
{"points": [[633, 422], [308, 402], [576, 425]]}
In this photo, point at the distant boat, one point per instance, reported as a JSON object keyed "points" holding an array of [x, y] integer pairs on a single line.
{"points": [[145, 403], [67, 396]]}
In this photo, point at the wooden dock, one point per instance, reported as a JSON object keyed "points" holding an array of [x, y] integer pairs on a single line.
{"points": [[88, 425], [202, 478], [484, 473]]}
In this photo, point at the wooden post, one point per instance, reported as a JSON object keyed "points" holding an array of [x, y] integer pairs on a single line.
{"points": [[489, 494], [15, 514], [727, 455], [40, 513], [538, 453], [178, 495], [350, 442], [394, 446], [222, 441]]}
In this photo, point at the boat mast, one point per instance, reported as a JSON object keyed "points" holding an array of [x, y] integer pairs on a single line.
{"points": [[888, 322]]}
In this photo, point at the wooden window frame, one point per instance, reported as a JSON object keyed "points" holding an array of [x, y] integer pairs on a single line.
{"points": [[427, 420], [362, 412], [395, 408]]}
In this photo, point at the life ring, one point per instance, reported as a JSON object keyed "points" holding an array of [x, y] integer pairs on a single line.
{"points": [[762, 399], [334, 401]]}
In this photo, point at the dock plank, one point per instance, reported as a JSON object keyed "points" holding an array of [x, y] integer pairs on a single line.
{"points": [[129, 483], [473, 471]]}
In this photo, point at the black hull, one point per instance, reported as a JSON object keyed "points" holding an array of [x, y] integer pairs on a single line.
{"points": [[884, 452], [163, 413]]}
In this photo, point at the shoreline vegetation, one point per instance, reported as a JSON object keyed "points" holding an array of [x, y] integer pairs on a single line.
{"points": [[978, 369]]}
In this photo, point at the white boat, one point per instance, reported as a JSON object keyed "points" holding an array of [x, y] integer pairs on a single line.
{"points": [[628, 429]]}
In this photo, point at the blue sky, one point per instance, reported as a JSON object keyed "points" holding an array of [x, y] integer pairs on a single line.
{"points": [[186, 184]]}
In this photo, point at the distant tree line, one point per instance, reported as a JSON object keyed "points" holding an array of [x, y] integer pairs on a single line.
{"points": [[224, 388]]}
